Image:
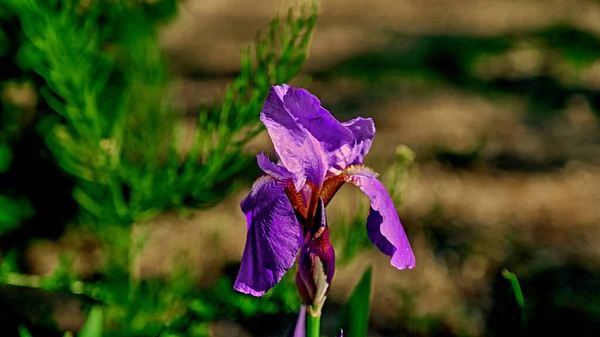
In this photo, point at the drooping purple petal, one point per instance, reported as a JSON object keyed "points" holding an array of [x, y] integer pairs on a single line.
{"points": [[272, 240], [276, 171], [383, 225], [298, 150]]}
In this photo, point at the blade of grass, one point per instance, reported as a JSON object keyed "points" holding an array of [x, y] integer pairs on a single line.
{"points": [[516, 287], [355, 314]]}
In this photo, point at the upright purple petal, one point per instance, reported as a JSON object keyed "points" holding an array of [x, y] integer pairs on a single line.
{"points": [[319, 122], [280, 90], [272, 240], [308, 140], [363, 132], [353, 152], [383, 225], [344, 144], [300, 153]]}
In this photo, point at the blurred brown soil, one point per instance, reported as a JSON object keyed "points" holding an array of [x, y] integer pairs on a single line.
{"points": [[207, 35]]}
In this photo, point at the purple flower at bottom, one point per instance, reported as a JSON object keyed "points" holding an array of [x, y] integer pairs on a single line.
{"points": [[285, 209]]}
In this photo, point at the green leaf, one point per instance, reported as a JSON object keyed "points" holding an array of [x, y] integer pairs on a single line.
{"points": [[514, 282], [93, 324], [23, 332], [355, 314], [12, 212], [5, 157]]}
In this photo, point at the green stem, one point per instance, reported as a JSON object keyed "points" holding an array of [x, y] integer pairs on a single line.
{"points": [[313, 325], [514, 281]]}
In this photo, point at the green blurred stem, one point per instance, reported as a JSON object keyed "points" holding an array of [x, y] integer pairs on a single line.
{"points": [[514, 281], [36, 281], [313, 325]]}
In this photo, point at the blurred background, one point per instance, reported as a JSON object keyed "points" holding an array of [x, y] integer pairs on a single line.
{"points": [[115, 190]]}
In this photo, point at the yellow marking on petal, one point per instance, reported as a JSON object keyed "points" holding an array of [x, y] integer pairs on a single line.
{"points": [[359, 169], [258, 183]]}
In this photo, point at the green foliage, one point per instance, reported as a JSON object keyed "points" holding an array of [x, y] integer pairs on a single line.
{"points": [[23, 332], [8, 266], [112, 129], [355, 314], [277, 58], [91, 328], [516, 287], [351, 238], [3, 43], [5, 157], [93, 325], [111, 125], [223, 302], [12, 210], [578, 48], [109, 85], [106, 80], [145, 306]]}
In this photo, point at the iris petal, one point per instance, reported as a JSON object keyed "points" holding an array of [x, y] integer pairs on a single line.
{"points": [[273, 237], [277, 171], [353, 152], [306, 108], [300, 329], [308, 140], [383, 225], [343, 143], [299, 152], [363, 132]]}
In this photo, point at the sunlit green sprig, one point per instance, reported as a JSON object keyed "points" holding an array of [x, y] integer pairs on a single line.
{"points": [[111, 90], [108, 84]]}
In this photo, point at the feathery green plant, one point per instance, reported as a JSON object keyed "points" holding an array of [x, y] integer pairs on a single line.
{"points": [[112, 131], [13, 210], [106, 81], [109, 86]]}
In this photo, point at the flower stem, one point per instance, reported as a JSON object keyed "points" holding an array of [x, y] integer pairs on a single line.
{"points": [[313, 325]]}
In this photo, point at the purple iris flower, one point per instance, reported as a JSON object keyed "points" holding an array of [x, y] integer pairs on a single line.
{"points": [[285, 209]]}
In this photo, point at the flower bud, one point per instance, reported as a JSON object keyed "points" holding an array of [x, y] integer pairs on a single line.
{"points": [[316, 263]]}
